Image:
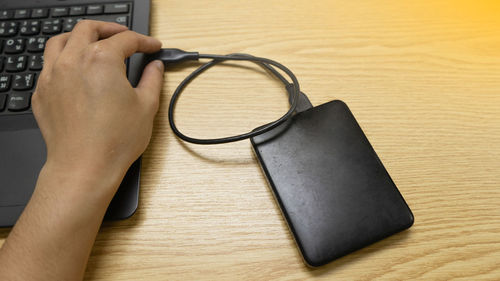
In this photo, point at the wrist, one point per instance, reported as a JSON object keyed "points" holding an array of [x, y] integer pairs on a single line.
{"points": [[92, 182]]}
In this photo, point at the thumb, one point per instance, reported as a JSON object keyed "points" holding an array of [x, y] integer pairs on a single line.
{"points": [[150, 85]]}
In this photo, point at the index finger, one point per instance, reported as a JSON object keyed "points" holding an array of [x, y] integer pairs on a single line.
{"points": [[129, 42], [86, 32]]}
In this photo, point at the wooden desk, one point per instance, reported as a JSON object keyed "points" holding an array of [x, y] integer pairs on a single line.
{"points": [[422, 79]]}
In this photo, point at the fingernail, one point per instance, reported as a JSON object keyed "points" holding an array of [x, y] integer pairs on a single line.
{"points": [[159, 65]]}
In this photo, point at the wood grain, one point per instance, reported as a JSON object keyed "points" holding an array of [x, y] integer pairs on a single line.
{"points": [[422, 79]]}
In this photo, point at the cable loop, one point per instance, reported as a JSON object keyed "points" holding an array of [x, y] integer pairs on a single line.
{"points": [[263, 62]]}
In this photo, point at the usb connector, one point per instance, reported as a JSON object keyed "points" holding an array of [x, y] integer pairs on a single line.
{"points": [[172, 55]]}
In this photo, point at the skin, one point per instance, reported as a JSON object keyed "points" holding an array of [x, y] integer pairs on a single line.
{"points": [[95, 124]]}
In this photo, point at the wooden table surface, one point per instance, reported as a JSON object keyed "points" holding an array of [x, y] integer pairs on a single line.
{"points": [[421, 77]]}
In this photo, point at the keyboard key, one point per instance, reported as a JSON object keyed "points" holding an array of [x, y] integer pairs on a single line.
{"points": [[8, 28], [52, 26], [23, 82], [40, 13], [1, 63], [15, 46], [4, 82], [36, 44], [36, 62], [60, 11], [123, 20], [3, 98], [94, 9], [117, 8], [18, 101], [15, 64], [69, 23], [29, 27], [5, 15], [22, 14], [77, 11]]}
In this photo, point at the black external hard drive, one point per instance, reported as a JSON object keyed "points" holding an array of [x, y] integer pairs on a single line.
{"points": [[331, 186]]}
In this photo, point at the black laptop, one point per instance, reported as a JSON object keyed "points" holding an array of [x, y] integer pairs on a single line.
{"points": [[25, 26]]}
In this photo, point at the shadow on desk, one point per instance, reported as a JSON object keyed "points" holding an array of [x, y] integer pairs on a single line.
{"points": [[364, 253], [212, 157], [4, 232]]}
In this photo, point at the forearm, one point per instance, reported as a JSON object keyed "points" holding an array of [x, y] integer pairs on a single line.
{"points": [[54, 236]]}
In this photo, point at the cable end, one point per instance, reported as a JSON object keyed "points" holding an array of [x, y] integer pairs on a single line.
{"points": [[172, 55], [303, 102]]}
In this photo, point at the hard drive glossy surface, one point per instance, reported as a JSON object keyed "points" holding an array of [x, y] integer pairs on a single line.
{"points": [[332, 188]]}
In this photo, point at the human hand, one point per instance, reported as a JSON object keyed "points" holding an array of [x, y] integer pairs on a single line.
{"points": [[93, 121]]}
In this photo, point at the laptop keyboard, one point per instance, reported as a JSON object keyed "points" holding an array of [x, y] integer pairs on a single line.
{"points": [[23, 34]]}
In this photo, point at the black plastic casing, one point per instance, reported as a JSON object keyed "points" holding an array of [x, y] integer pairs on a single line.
{"points": [[332, 188]]}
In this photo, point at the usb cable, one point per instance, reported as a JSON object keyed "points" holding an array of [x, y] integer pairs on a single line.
{"points": [[298, 100]]}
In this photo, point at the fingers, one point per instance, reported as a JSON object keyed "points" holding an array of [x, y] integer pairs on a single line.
{"points": [[128, 42], [53, 48], [150, 86], [86, 32], [110, 37]]}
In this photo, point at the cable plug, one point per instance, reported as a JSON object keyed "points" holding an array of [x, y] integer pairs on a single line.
{"points": [[172, 55], [303, 102]]}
